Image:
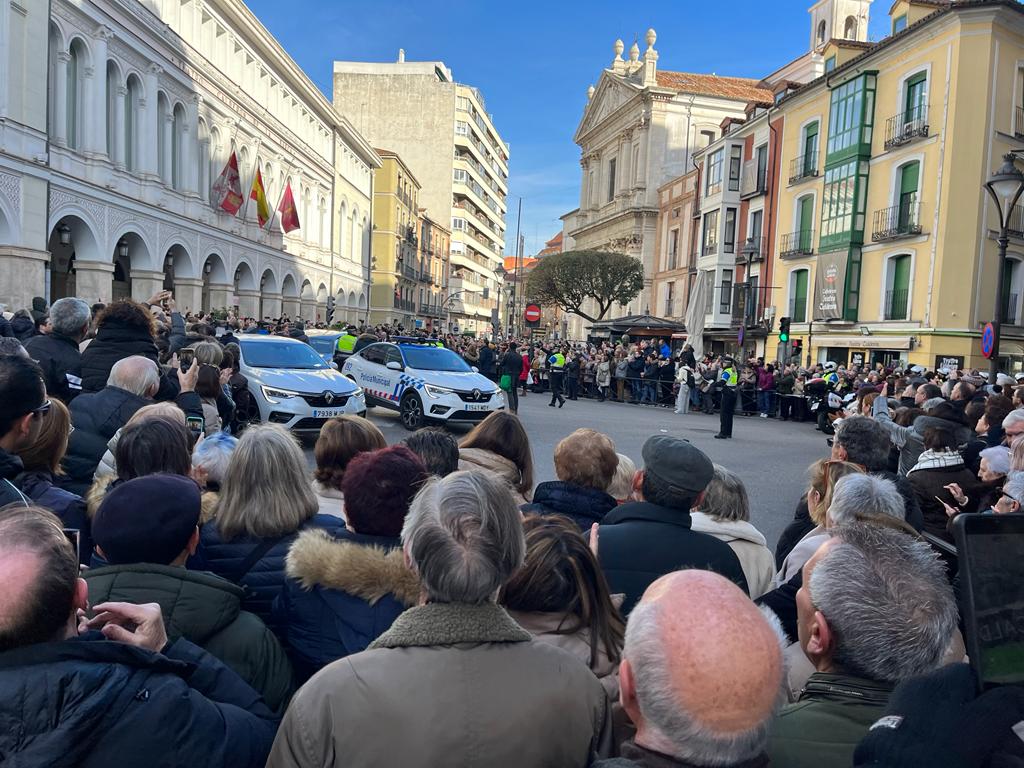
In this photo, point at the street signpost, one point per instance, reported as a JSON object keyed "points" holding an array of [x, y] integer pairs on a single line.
{"points": [[531, 314], [988, 340]]}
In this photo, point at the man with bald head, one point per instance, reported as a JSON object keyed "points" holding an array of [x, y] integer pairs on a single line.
{"points": [[701, 676], [874, 609], [62, 676]]}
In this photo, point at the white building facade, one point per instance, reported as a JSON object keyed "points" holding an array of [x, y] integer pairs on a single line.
{"points": [[116, 118]]}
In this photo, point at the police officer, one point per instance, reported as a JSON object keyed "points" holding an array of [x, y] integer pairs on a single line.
{"points": [[347, 341], [728, 379], [556, 366]]}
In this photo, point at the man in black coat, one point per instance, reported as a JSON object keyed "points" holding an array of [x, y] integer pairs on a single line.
{"points": [[641, 541], [22, 399], [511, 364], [120, 696], [486, 361], [57, 352]]}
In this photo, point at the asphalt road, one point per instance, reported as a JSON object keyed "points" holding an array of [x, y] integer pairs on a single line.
{"points": [[771, 457]]}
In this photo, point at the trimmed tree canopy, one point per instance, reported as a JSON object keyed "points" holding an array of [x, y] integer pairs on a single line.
{"points": [[567, 280]]}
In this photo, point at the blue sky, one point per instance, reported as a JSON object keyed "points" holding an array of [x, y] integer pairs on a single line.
{"points": [[534, 60]]}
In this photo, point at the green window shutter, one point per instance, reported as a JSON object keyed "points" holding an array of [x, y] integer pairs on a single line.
{"points": [[800, 297], [901, 273], [916, 85], [909, 177], [810, 149], [806, 220]]}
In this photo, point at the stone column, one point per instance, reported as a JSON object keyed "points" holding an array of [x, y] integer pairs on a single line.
{"points": [[118, 157], [290, 306], [220, 296], [96, 133], [22, 272], [270, 305], [248, 304], [645, 136], [93, 280], [307, 310], [585, 184], [189, 147], [188, 294], [148, 126], [145, 284], [60, 101]]}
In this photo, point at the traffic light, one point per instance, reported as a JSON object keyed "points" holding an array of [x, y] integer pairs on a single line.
{"points": [[330, 310], [784, 330], [797, 350]]}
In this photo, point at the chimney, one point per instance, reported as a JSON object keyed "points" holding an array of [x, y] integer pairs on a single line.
{"points": [[401, 55]]}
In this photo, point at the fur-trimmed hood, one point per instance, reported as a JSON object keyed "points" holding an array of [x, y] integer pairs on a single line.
{"points": [[365, 570]]}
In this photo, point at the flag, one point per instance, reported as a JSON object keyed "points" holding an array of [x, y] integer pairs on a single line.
{"points": [[227, 189], [259, 194], [289, 215]]}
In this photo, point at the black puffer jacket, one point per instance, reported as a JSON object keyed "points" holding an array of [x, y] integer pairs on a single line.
{"points": [[114, 341], [10, 468], [89, 702], [61, 362], [69, 507], [23, 328], [265, 577], [585, 506]]}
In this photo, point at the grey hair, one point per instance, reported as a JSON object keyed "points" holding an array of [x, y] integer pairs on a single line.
{"points": [[726, 496], [267, 490], [932, 402], [209, 353], [1015, 416], [864, 495], [622, 481], [464, 537], [998, 458], [866, 442], [663, 712], [1014, 487], [887, 601], [136, 374], [70, 316], [213, 455], [9, 345]]}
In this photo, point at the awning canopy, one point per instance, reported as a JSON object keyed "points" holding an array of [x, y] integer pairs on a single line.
{"points": [[637, 325]]}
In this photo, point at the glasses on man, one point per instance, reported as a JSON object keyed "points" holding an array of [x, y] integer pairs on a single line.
{"points": [[42, 409]]}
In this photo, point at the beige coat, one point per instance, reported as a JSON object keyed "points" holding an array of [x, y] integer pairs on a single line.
{"points": [[749, 546], [478, 458], [448, 685]]}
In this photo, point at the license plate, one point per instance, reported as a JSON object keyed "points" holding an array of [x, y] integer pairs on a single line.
{"points": [[478, 407], [327, 413]]}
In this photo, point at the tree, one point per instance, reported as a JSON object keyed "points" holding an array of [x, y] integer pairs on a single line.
{"points": [[567, 280]]}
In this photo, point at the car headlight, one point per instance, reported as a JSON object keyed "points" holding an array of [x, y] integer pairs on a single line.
{"points": [[273, 395], [358, 392], [435, 391]]}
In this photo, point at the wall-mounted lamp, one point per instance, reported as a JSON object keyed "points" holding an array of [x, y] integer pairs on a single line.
{"points": [[122, 248], [865, 331], [64, 232]]}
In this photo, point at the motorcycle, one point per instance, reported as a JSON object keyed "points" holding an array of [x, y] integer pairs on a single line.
{"points": [[825, 404]]}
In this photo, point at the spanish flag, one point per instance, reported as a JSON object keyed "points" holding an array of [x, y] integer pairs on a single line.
{"points": [[289, 215], [259, 194]]}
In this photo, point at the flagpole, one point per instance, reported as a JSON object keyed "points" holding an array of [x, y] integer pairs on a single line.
{"points": [[284, 186], [256, 168]]}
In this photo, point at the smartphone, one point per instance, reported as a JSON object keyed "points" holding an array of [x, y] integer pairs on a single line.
{"points": [[186, 357], [989, 550], [196, 425], [75, 537]]}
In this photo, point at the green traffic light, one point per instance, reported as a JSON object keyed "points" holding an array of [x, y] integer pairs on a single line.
{"points": [[783, 337]]}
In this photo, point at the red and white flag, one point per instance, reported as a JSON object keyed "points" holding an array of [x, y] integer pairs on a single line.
{"points": [[289, 214], [227, 189]]}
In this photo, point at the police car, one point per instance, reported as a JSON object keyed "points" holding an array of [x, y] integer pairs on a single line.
{"points": [[424, 382]]}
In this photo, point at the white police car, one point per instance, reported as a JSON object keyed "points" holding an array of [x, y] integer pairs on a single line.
{"points": [[293, 386], [423, 382]]}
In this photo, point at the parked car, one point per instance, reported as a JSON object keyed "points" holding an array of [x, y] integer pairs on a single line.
{"points": [[326, 345], [294, 386], [424, 382]]}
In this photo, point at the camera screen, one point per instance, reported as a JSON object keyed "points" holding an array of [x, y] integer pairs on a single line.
{"points": [[997, 580]]}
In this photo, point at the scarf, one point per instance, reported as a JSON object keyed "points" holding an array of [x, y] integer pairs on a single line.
{"points": [[938, 460]]}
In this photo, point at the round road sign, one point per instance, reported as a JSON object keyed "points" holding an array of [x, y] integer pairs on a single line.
{"points": [[531, 313], [988, 340]]}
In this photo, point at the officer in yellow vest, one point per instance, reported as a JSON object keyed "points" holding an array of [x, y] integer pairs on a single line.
{"points": [[347, 342], [556, 365], [728, 379]]}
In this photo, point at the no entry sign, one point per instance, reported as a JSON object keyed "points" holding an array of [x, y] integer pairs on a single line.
{"points": [[531, 313]]}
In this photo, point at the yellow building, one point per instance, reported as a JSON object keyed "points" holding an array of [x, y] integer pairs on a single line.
{"points": [[396, 277], [885, 242]]}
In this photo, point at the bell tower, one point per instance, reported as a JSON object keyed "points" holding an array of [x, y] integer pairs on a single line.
{"points": [[841, 19]]}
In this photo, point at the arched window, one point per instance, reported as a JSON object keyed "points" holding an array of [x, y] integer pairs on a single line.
{"points": [[850, 28], [214, 158], [342, 230], [132, 109], [203, 167], [798, 279], [908, 205], [178, 139], [307, 216], [897, 287], [163, 115], [821, 32], [113, 76], [76, 74], [323, 229]]}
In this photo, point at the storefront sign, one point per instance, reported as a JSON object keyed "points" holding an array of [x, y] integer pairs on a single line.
{"points": [[857, 358], [830, 286], [952, 362], [864, 342]]}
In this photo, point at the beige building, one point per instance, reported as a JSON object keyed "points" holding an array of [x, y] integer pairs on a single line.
{"points": [[444, 134], [676, 260], [394, 251]]}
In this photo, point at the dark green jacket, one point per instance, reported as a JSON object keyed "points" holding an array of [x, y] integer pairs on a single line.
{"points": [[205, 610], [825, 725]]}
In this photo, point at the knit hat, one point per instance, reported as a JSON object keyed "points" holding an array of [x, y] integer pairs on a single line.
{"points": [[147, 520]]}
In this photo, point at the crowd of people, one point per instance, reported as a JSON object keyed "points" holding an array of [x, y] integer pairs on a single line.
{"points": [[176, 597]]}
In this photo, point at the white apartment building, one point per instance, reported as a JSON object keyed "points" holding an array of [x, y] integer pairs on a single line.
{"points": [[443, 133], [116, 117]]}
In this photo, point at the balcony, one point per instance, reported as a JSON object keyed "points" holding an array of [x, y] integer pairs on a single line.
{"points": [[1010, 308], [895, 222], [405, 305], [907, 126], [1018, 122], [431, 310], [754, 181], [796, 244], [755, 248], [748, 306], [896, 301], [803, 167], [1015, 225]]}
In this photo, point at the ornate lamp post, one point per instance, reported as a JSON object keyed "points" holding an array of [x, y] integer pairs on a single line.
{"points": [[1005, 186]]}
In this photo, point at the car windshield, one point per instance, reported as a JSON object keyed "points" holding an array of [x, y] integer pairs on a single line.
{"points": [[281, 354], [434, 359], [323, 344]]}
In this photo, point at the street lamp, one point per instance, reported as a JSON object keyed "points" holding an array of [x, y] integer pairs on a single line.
{"points": [[499, 273], [1005, 186]]}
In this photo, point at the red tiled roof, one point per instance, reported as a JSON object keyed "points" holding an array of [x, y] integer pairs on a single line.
{"points": [[554, 242], [932, 3], [739, 88], [840, 42]]}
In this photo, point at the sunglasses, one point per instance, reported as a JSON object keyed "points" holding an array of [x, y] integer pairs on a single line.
{"points": [[42, 409]]}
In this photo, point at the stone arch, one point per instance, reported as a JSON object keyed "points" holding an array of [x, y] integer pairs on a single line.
{"points": [[176, 266], [270, 294], [66, 274], [216, 285], [245, 278], [290, 296], [184, 263], [362, 301], [322, 294], [8, 223]]}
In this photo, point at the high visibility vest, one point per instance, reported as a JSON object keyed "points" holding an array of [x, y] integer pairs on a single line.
{"points": [[347, 342], [730, 377], [557, 361]]}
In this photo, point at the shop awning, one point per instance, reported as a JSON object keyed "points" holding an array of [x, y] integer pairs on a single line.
{"points": [[862, 342]]}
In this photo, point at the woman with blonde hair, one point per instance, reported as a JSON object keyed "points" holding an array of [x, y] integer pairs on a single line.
{"points": [[824, 476], [499, 445], [265, 501]]}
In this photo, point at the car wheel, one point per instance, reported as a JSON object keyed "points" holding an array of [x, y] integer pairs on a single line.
{"points": [[411, 411]]}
